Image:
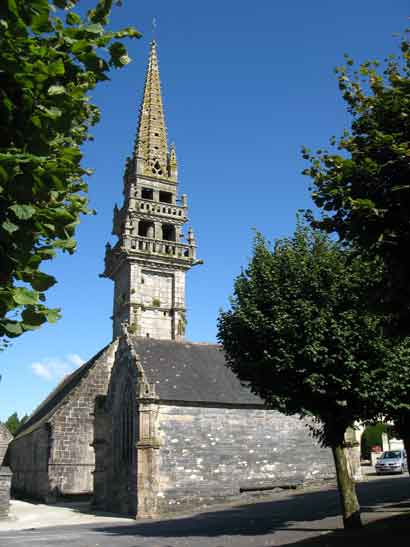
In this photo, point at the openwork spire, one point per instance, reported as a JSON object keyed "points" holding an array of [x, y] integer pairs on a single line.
{"points": [[151, 141]]}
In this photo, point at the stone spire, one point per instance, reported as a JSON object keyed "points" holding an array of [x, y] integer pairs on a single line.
{"points": [[149, 261], [151, 147]]}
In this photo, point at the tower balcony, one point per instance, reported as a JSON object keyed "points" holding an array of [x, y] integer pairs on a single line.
{"points": [[182, 251], [146, 247], [151, 207]]}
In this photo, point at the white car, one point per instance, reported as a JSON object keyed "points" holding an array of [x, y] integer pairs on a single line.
{"points": [[392, 461]]}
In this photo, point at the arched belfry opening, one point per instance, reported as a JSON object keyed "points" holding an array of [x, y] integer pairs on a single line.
{"points": [[146, 228], [168, 232]]}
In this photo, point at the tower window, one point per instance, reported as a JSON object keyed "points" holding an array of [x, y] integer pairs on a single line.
{"points": [[168, 232], [146, 228], [165, 197], [147, 193]]}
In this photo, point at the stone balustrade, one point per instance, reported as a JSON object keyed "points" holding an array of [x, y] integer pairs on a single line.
{"points": [[160, 208], [164, 247]]}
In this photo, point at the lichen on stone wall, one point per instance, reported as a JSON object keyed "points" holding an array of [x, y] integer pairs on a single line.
{"points": [[132, 329], [182, 323]]}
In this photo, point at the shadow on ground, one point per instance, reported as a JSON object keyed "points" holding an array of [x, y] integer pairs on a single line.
{"points": [[374, 534], [316, 512]]}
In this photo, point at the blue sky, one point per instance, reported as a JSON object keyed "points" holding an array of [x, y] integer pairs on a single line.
{"points": [[244, 86]]}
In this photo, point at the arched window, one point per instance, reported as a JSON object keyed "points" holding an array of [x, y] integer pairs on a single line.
{"points": [[146, 228], [127, 434]]}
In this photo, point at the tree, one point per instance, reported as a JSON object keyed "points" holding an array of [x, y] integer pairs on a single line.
{"points": [[362, 186], [50, 58], [299, 333], [13, 422]]}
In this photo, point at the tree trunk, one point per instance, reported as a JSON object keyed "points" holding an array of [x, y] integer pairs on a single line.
{"points": [[406, 442], [347, 489]]}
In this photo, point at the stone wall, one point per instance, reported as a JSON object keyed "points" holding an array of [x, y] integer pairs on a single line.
{"points": [[191, 456], [72, 458], [115, 435], [28, 459], [5, 481], [209, 454], [5, 439]]}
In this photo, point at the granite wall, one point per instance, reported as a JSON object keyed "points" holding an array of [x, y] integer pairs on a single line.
{"points": [[28, 458], [5, 481], [190, 456], [72, 460], [116, 430], [210, 454]]}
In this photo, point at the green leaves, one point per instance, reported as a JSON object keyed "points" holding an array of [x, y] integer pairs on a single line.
{"points": [[41, 281], [362, 188], [23, 296], [12, 5], [12, 328], [48, 66], [73, 19], [9, 226], [56, 90], [22, 212]]}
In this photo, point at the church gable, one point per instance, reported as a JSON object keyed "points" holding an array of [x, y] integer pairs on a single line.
{"points": [[51, 454], [44, 412]]}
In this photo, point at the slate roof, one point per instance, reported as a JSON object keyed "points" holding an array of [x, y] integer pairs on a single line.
{"points": [[191, 372], [49, 406], [181, 371]]}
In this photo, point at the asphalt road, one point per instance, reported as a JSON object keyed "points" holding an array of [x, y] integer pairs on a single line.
{"points": [[283, 519]]}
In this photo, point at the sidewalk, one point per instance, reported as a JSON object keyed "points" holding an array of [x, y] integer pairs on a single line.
{"points": [[25, 515]]}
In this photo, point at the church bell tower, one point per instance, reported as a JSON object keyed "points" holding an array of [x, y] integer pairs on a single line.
{"points": [[152, 254]]}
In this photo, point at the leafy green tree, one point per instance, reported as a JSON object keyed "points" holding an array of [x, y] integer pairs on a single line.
{"points": [[298, 331], [50, 58], [361, 183], [12, 423]]}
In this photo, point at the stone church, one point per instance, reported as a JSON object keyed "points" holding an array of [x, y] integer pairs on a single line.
{"points": [[153, 423]]}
